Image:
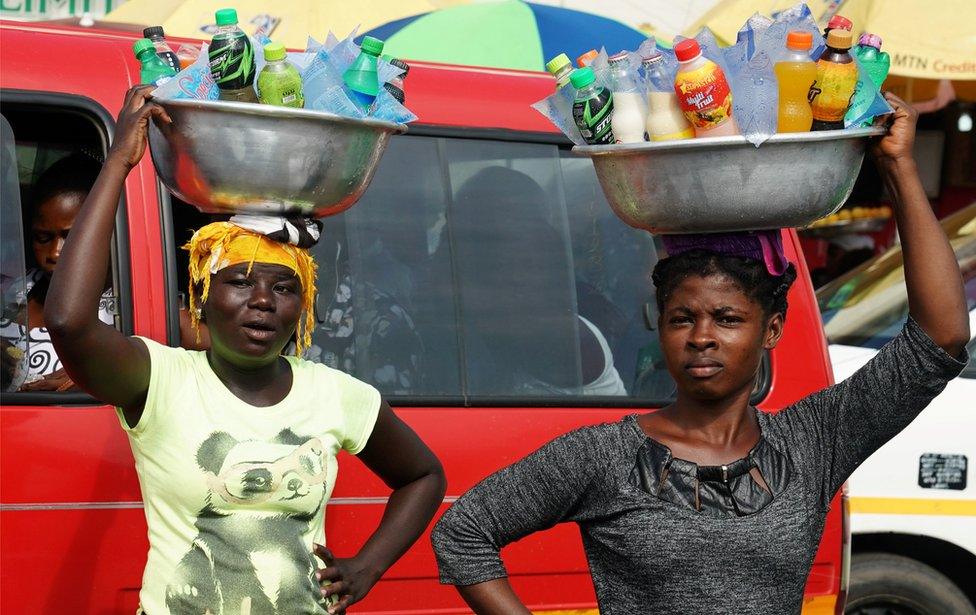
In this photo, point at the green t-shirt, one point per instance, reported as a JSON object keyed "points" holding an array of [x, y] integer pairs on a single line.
{"points": [[235, 494]]}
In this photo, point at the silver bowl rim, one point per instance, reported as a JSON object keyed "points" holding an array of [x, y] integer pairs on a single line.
{"points": [[624, 149], [271, 111]]}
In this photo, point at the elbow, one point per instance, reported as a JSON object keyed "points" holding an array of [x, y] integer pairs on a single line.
{"points": [[61, 322]]}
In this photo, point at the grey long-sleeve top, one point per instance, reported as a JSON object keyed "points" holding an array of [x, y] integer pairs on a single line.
{"points": [[663, 535]]}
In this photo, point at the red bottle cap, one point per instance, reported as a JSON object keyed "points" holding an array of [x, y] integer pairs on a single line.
{"points": [[799, 40], [840, 22], [688, 49]]}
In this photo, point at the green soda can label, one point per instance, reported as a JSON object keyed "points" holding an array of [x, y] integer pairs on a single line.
{"points": [[232, 62], [593, 116]]}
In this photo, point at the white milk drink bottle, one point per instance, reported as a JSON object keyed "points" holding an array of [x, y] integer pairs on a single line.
{"points": [[665, 120], [627, 122]]}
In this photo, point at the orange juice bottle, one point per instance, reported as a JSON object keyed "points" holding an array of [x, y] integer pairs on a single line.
{"points": [[795, 76]]}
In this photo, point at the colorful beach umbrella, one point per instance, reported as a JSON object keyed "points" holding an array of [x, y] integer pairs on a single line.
{"points": [[506, 34], [287, 21]]}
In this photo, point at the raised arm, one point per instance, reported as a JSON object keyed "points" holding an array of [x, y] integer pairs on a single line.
{"points": [[936, 296], [101, 360]]}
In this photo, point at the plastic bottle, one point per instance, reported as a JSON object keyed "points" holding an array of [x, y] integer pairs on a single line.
{"points": [[361, 78], [795, 76], [876, 64], [279, 83], [154, 70], [163, 50], [838, 22], [629, 113], [703, 92], [665, 120], [561, 68], [395, 85], [592, 108], [831, 93], [587, 58], [232, 59]]}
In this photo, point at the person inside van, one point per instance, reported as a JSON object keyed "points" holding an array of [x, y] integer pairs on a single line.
{"points": [[57, 198], [236, 446], [523, 332], [708, 502]]}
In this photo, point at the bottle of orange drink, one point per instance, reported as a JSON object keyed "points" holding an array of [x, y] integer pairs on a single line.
{"points": [[795, 76]]}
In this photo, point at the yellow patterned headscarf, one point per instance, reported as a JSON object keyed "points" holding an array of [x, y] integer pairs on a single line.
{"points": [[222, 244]]}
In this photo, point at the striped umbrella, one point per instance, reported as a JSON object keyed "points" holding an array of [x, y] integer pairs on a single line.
{"points": [[506, 34]]}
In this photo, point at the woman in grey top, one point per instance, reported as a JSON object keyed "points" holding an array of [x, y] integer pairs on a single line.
{"points": [[708, 503]]}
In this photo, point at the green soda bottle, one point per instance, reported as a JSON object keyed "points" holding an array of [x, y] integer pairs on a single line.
{"points": [[361, 77], [232, 59], [279, 83], [154, 70]]}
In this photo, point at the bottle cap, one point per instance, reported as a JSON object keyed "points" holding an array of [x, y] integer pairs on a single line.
{"points": [[872, 40], [617, 58], [654, 57], [840, 39], [372, 46], [153, 31], [586, 58], [799, 40], [274, 51], [582, 77], [395, 92], [839, 22], [558, 63], [143, 44], [226, 17], [686, 50], [401, 65]]}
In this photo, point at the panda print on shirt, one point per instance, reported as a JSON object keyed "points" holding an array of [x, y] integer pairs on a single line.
{"points": [[248, 556]]}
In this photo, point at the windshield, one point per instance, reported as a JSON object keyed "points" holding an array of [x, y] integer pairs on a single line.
{"points": [[868, 305]]}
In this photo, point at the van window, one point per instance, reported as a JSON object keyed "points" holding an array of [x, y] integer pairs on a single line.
{"points": [[488, 269], [52, 154]]}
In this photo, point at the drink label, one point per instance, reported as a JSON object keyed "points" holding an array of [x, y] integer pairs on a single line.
{"points": [[232, 62], [593, 116], [831, 94], [704, 96]]}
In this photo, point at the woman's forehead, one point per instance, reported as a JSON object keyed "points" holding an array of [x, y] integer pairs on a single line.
{"points": [[259, 269], [711, 291]]}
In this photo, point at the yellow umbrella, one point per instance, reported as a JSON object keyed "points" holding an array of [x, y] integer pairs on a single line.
{"points": [[286, 21], [927, 42]]}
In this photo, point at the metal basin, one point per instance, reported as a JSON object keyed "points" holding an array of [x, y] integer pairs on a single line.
{"points": [[721, 184], [227, 157]]}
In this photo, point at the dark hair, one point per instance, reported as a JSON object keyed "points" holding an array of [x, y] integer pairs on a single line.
{"points": [[750, 275], [73, 173]]}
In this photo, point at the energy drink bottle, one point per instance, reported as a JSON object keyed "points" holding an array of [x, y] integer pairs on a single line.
{"points": [[795, 75], [831, 93], [154, 70], [361, 78], [232, 59], [561, 68], [163, 50], [592, 108], [279, 83], [876, 64]]}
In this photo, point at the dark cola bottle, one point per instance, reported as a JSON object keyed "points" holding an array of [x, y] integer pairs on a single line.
{"points": [[232, 60]]}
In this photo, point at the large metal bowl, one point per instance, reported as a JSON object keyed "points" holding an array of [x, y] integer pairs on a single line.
{"points": [[718, 184], [228, 157]]}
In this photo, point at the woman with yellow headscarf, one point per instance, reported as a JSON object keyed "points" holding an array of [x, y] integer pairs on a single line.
{"points": [[236, 446]]}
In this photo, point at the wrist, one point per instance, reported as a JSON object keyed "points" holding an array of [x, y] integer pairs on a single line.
{"points": [[117, 161], [370, 568], [898, 164]]}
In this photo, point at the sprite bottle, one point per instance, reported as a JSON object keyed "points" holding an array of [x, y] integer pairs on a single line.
{"points": [[232, 59], [592, 108], [361, 77], [153, 70]]}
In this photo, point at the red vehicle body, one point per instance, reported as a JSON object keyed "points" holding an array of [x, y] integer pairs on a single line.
{"points": [[74, 535]]}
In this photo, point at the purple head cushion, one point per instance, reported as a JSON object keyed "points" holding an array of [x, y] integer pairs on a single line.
{"points": [[765, 246]]}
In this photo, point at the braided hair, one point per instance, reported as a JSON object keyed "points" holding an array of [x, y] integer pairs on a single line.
{"points": [[749, 275]]}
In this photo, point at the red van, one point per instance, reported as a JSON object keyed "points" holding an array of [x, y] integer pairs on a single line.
{"points": [[398, 306]]}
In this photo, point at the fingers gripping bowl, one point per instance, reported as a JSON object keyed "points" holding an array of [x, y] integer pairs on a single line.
{"points": [[721, 184], [243, 158]]}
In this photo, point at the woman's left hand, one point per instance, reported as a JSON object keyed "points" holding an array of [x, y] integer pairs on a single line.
{"points": [[348, 579], [57, 381], [898, 142]]}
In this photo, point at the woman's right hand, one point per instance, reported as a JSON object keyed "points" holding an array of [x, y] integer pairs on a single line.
{"points": [[129, 144]]}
